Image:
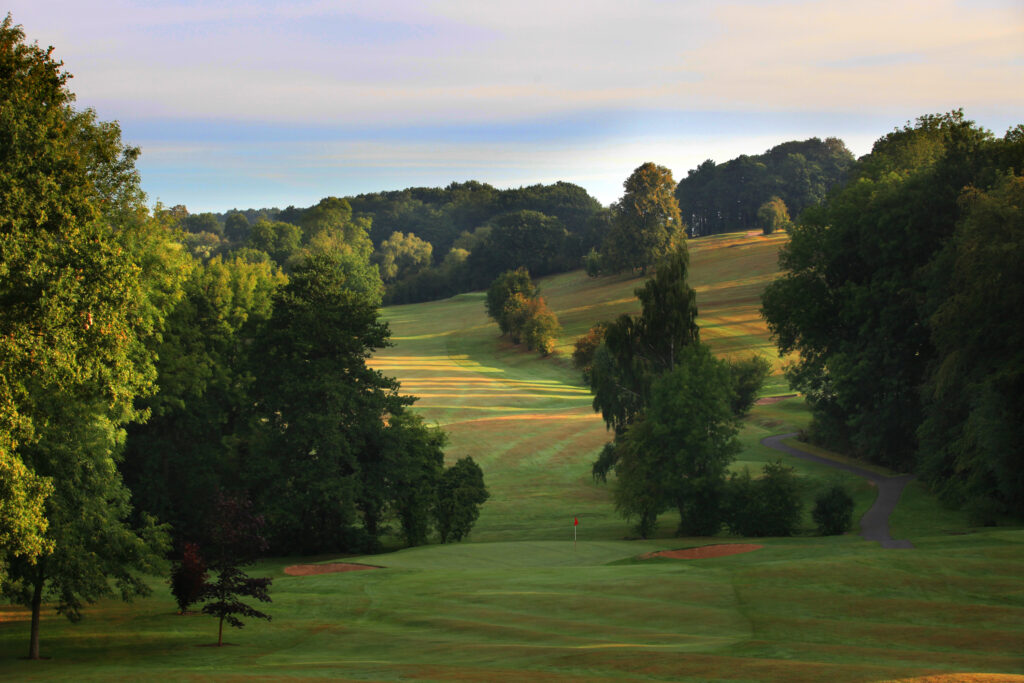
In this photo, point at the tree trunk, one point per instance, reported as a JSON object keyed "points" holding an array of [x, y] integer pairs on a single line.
{"points": [[37, 603], [220, 632]]}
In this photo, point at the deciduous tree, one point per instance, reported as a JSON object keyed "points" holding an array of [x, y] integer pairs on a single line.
{"points": [[85, 276], [237, 540], [459, 498], [646, 223]]}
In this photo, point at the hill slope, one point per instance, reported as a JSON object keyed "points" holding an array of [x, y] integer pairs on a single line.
{"points": [[520, 601], [528, 421]]}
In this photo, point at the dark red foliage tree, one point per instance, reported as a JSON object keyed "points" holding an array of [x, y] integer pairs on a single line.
{"points": [[188, 577], [237, 540]]}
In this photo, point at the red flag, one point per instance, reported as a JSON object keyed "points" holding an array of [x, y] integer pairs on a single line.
{"points": [[575, 522]]}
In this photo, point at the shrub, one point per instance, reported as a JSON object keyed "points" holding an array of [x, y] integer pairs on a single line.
{"points": [[767, 506], [188, 578], [833, 511], [460, 495]]}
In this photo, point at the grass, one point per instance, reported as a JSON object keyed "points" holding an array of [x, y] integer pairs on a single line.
{"points": [[519, 601]]}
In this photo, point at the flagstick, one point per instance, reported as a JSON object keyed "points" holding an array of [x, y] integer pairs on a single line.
{"points": [[574, 536]]}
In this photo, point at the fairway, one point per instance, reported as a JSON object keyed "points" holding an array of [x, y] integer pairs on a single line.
{"points": [[519, 600]]}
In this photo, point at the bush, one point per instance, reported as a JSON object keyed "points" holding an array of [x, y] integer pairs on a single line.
{"points": [[592, 263], [767, 506], [188, 578], [833, 511], [748, 377], [460, 495]]}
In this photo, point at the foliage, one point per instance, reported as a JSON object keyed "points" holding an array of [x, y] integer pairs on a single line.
{"points": [[522, 239], [176, 462], [833, 511], [768, 506], [645, 223], [236, 227], [748, 377], [972, 437], [585, 348], [319, 408], [592, 263], [22, 515], [543, 228], [85, 275], [236, 541], [188, 577], [416, 474], [635, 350], [459, 497], [773, 215], [521, 313], [502, 289], [677, 453], [715, 198], [402, 255], [202, 222], [278, 239], [865, 274]]}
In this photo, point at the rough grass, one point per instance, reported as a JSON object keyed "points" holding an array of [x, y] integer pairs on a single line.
{"points": [[521, 601]]}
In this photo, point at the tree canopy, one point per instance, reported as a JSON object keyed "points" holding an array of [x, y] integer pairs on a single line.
{"points": [[85, 278], [716, 198], [874, 300], [646, 225]]}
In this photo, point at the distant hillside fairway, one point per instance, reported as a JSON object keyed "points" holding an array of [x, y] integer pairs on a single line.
{"points": [[528, 421]]}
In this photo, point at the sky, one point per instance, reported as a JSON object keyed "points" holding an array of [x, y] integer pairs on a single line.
{"points": [[249, 104]]}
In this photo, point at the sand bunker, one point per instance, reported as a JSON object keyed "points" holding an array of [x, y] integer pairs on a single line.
{"points": [[706, 551], [330, 568]]}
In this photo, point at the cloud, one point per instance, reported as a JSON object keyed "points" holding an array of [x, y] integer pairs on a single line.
{"points": [[364, 63]]}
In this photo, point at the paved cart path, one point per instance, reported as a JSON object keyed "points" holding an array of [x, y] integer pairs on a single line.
{"points": [[874, 525]]}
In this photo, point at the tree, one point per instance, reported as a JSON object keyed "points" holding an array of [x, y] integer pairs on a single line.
{"points": [[716, 198], [278, 239], [972, 435], [188, 449], [402, 255], [417, 465], [767, 506], [236, 227], [635, 350], [202, 222], [85, 275], [858, 291], [521, 239], [833, 511], [748, 376], [502, 289], [459, 497], [678, 451], [188, 578], [773, 215], [541, 329], [646, 222], [585, 348], [237, 541], [318, 408]]}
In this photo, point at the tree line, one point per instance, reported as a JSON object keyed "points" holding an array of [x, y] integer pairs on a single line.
{"points": [[901, 300], [726, 197], [430, 243]]}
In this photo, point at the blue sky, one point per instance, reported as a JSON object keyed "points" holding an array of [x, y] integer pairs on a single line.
{"points": [[250, 104]]}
